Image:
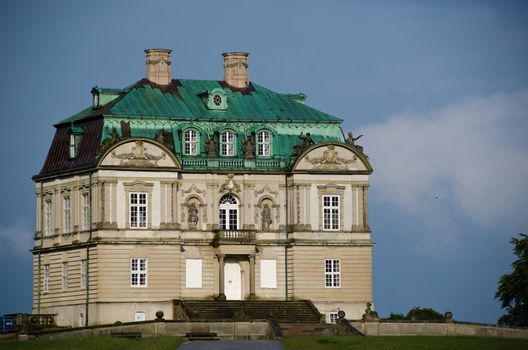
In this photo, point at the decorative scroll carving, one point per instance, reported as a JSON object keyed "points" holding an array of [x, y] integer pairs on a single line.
{"points": [[193, 188], [330, 160], [230, 185], [138, 157], [266, 189]]}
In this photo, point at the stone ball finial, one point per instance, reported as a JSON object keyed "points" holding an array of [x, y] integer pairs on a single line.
{"points": [[448, 315], [341, 314], [159, 315]]}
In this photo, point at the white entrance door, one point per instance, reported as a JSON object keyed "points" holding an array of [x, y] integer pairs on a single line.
{"points": [[232, 280]]}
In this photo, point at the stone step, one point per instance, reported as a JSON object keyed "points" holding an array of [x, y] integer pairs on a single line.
{"points": [[284, 311]]}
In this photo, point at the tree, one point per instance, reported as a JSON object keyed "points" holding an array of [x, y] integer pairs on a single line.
{"points": [[513, 287]]}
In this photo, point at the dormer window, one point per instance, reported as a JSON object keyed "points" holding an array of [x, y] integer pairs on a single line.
{"points": [[190, 142], [217, 99], [75, 141]]}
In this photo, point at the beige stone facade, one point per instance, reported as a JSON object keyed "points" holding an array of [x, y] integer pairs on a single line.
{"points": [[86, 269]]}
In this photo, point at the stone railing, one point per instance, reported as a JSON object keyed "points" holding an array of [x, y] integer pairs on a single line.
{"points": [[232, 163], [235, 235]]}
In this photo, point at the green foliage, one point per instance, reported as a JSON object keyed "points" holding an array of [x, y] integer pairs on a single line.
{"points": [[90, 343], [424, 314], [396, 317], [417, 313], [405, 343], [513, 287]]}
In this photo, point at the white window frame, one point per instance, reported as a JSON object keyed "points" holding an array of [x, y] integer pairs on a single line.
{"points": [[72, 148], [264, 143], [227, 143], [64, 276], [268, 273], [332, 273], [139, 272], [46, 281], [332, 317], [66, 208], [138, 211], [48, 229], [84, 273], [331, 212], [193, 273], [85, 217], [228, 218], [191, 142]]}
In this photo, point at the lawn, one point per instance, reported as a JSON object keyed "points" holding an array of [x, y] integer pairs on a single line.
{"points": [[97, 343], [405, 343], [305, 343]]}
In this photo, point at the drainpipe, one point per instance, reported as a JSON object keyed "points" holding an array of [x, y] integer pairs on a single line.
{"points": [[286, 242], [41, 242], [88, 249]]}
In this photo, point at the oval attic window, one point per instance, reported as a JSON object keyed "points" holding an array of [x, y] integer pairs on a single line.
{"points": [[217, 100]]}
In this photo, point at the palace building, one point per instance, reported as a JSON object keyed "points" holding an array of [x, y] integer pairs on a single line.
{"points": [[175, 190]]}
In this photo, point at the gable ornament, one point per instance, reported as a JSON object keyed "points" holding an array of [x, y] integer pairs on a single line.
{"points": [[331, 160], [138, 157]]}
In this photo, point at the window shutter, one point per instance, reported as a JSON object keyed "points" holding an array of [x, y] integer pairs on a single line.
{"points": [[268, 273], [193, 273]]}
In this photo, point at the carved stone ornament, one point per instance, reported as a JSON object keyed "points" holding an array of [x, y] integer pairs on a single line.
{"points": [[194, 189], [230, 185], [266, 189], [138, 157], [330, 160]]}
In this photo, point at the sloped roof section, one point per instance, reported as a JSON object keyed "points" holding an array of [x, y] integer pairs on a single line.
{"points": [[185, 100]]}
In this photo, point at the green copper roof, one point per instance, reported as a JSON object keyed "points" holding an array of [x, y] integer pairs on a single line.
{"points": [[164, 113], [187, 100]]}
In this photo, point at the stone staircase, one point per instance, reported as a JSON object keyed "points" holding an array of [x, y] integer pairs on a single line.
{"points": [[247, 310]]}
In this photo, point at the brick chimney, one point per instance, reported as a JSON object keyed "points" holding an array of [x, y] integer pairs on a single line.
{"points": [[236, 69], [158, 66]]}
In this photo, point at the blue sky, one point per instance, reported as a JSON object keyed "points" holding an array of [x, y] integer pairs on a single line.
{"points": [[439, 89]]}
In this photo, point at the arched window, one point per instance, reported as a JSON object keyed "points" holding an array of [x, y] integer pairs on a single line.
{"points": [[263, 143], [228, 213], [190, 142], [227, 143]]}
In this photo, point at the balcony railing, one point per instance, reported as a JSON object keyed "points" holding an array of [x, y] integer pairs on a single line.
{"points": [[232, 163], [235, 235]]}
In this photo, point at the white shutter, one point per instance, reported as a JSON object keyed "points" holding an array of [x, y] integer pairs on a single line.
{"points": [[268, 273], [193, 273]]}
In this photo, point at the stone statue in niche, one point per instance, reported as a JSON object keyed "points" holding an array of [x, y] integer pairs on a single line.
{"points": [[211, 146], [192, 212], [266, 217], [249, 146], [351, 140], [307, 142]]}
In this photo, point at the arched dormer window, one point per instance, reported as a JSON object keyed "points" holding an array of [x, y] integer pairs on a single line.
{"points": [[263, 143], [227, 143], [190, 142], [228, 218]]}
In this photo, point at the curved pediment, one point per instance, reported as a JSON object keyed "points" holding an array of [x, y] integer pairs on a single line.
{"points": [[332, 157], [139, 153]]}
